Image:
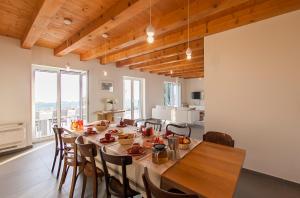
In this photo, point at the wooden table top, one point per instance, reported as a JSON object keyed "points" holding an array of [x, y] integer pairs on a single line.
{"points": [[210, 170], [112, 112]]}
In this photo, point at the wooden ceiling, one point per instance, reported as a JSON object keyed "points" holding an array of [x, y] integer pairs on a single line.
{"points": [[41, 22]]}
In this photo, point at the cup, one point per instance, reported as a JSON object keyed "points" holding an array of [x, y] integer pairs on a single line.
{"points": [[107, 136], [89, 129]]}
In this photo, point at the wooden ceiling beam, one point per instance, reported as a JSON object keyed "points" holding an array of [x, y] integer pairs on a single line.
{"points": [[174, 66], [199, 10], [117, 14], [261, 10], [173, 59], [188, 67], [182, 61], [41, 17], [161, 54], [192, 74], [181, 71]]}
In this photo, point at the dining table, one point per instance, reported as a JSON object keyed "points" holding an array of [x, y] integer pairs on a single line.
{"points": [[200, 160]]}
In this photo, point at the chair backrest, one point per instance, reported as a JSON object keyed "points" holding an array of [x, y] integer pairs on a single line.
{"points": [[120, 160], [129, 122], [86, 150], [188, 133], [151, 189], [218, 138], [157, 126], [70, 149], [87, 153], [57, 134]]}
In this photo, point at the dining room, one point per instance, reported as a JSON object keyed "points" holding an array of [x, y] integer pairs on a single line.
{"points": [[148, 98]]}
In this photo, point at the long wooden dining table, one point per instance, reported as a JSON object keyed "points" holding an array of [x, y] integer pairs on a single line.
{"points": [[207, 169]]}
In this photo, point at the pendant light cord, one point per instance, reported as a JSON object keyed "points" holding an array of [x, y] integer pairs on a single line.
{"points": [[150, 14], [188, 23]]}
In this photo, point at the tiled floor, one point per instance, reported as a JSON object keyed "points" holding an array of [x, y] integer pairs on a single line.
{"points": [[30, 176]]}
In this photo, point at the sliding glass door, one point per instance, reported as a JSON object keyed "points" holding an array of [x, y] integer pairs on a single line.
{"points": [[133, 97], [59, 97]]}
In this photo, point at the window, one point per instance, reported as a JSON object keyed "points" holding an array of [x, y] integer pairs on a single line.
{"points": [[172, 94], [133, 97], [59, 96]]}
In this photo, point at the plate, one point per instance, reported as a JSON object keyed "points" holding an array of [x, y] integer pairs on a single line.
{"points": [[104, 140], [122, 126], [115, 132], [141, 152]]}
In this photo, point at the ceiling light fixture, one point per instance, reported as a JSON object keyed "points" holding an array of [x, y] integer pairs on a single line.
{"points": [[171, 72], [67, 21], [150, 29], [188, 51], [67, 66]]}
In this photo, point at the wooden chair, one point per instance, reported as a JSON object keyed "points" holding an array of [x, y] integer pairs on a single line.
{"points": [[218, 138], [58, 149], [157, 126], [88, 153], [151, 189], [70, 160], [129, 122], [188, 134], [113, 185]]}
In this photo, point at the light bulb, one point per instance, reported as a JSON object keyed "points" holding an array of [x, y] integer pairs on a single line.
{"points": [[150, 30], [188, 53], [171, 72], [105, 73], [150, 39]]}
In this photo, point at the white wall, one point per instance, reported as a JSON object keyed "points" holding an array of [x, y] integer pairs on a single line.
{"points": [[252, 87], [192, 85], [15, 81], [15, 91]]}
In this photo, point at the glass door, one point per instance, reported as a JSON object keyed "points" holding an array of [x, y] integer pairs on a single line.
{"points": [[59, 97], [46, 102], [70, 98], [133, 98]]}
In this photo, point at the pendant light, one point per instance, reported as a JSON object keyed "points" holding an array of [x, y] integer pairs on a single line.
{"points": [[188, 51], [150, 29]]}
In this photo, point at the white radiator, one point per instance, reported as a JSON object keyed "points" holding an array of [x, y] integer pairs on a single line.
{"points": [[12, 136]]}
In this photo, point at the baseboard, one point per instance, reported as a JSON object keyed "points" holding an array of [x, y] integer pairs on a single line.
{"points": [[271, 177], [16, 150]]}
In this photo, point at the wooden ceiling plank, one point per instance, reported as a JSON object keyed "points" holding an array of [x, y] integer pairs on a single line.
{"points": [[119, 13], [41, 17], [199, 10], [199, 29], [165, 53]]}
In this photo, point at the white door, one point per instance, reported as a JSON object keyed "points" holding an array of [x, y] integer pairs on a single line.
{"points": [[133, 97]]}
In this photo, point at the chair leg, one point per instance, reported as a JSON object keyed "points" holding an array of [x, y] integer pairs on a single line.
{"points": [[54, 160], [83, 185], [95, 186], [59, 164], [73, 182], [63, 176]]}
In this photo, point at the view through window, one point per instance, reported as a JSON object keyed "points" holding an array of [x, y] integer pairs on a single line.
{"points": [[59, 97], [133, 97], [172, 94]]}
